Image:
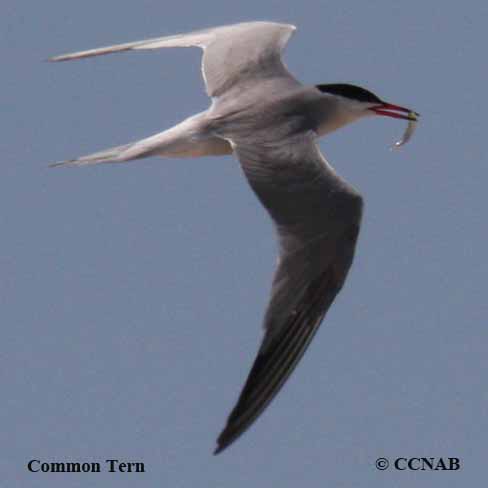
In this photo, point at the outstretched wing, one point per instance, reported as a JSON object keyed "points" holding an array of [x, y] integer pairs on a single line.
{"points": [[317, 216], [232, 54]]}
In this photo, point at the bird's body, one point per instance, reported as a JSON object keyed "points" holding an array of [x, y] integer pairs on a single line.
{"points": [[270, 121]]}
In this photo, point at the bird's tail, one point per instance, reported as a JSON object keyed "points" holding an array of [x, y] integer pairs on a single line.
{"points": [[112, 155], [188, 139]]}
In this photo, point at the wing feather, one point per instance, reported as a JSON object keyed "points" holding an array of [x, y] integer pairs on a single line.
{"points": [[232, 54], [317, 216]]}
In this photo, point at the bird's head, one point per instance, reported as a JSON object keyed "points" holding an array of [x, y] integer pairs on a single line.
{"points": [[353, 102]]}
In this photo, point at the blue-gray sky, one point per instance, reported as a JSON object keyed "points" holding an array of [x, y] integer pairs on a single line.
{"points": [[131, 296]]}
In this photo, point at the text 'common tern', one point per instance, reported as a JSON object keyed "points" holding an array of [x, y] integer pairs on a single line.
{"points": [[270, 121]]}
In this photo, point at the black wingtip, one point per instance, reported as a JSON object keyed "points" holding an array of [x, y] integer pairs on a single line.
{"points": [[227, 437], [218, 450], [223, 442]]}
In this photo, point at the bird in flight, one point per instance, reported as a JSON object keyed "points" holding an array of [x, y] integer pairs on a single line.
{"points": [[270, 122]]}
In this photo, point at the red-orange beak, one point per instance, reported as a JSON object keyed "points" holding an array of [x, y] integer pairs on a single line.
{"points": [[395, 111]]}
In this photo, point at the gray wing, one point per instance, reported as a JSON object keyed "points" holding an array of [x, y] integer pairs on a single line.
{"points": [[233, 54], [317, 217]]}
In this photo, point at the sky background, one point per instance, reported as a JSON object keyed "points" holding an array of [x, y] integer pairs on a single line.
{"points": [[131, 296]]}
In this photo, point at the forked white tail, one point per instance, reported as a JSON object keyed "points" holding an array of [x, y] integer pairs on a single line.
{"points": [[188, 139]]}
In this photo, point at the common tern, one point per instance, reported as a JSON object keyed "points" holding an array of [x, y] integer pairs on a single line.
{"points": [[270, 122]]}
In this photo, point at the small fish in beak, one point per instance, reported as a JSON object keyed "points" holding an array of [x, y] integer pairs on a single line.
{"points": [[407, 135], [398, 112]]}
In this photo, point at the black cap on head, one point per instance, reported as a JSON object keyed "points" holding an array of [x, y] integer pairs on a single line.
{"points": [[350, 91]]}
